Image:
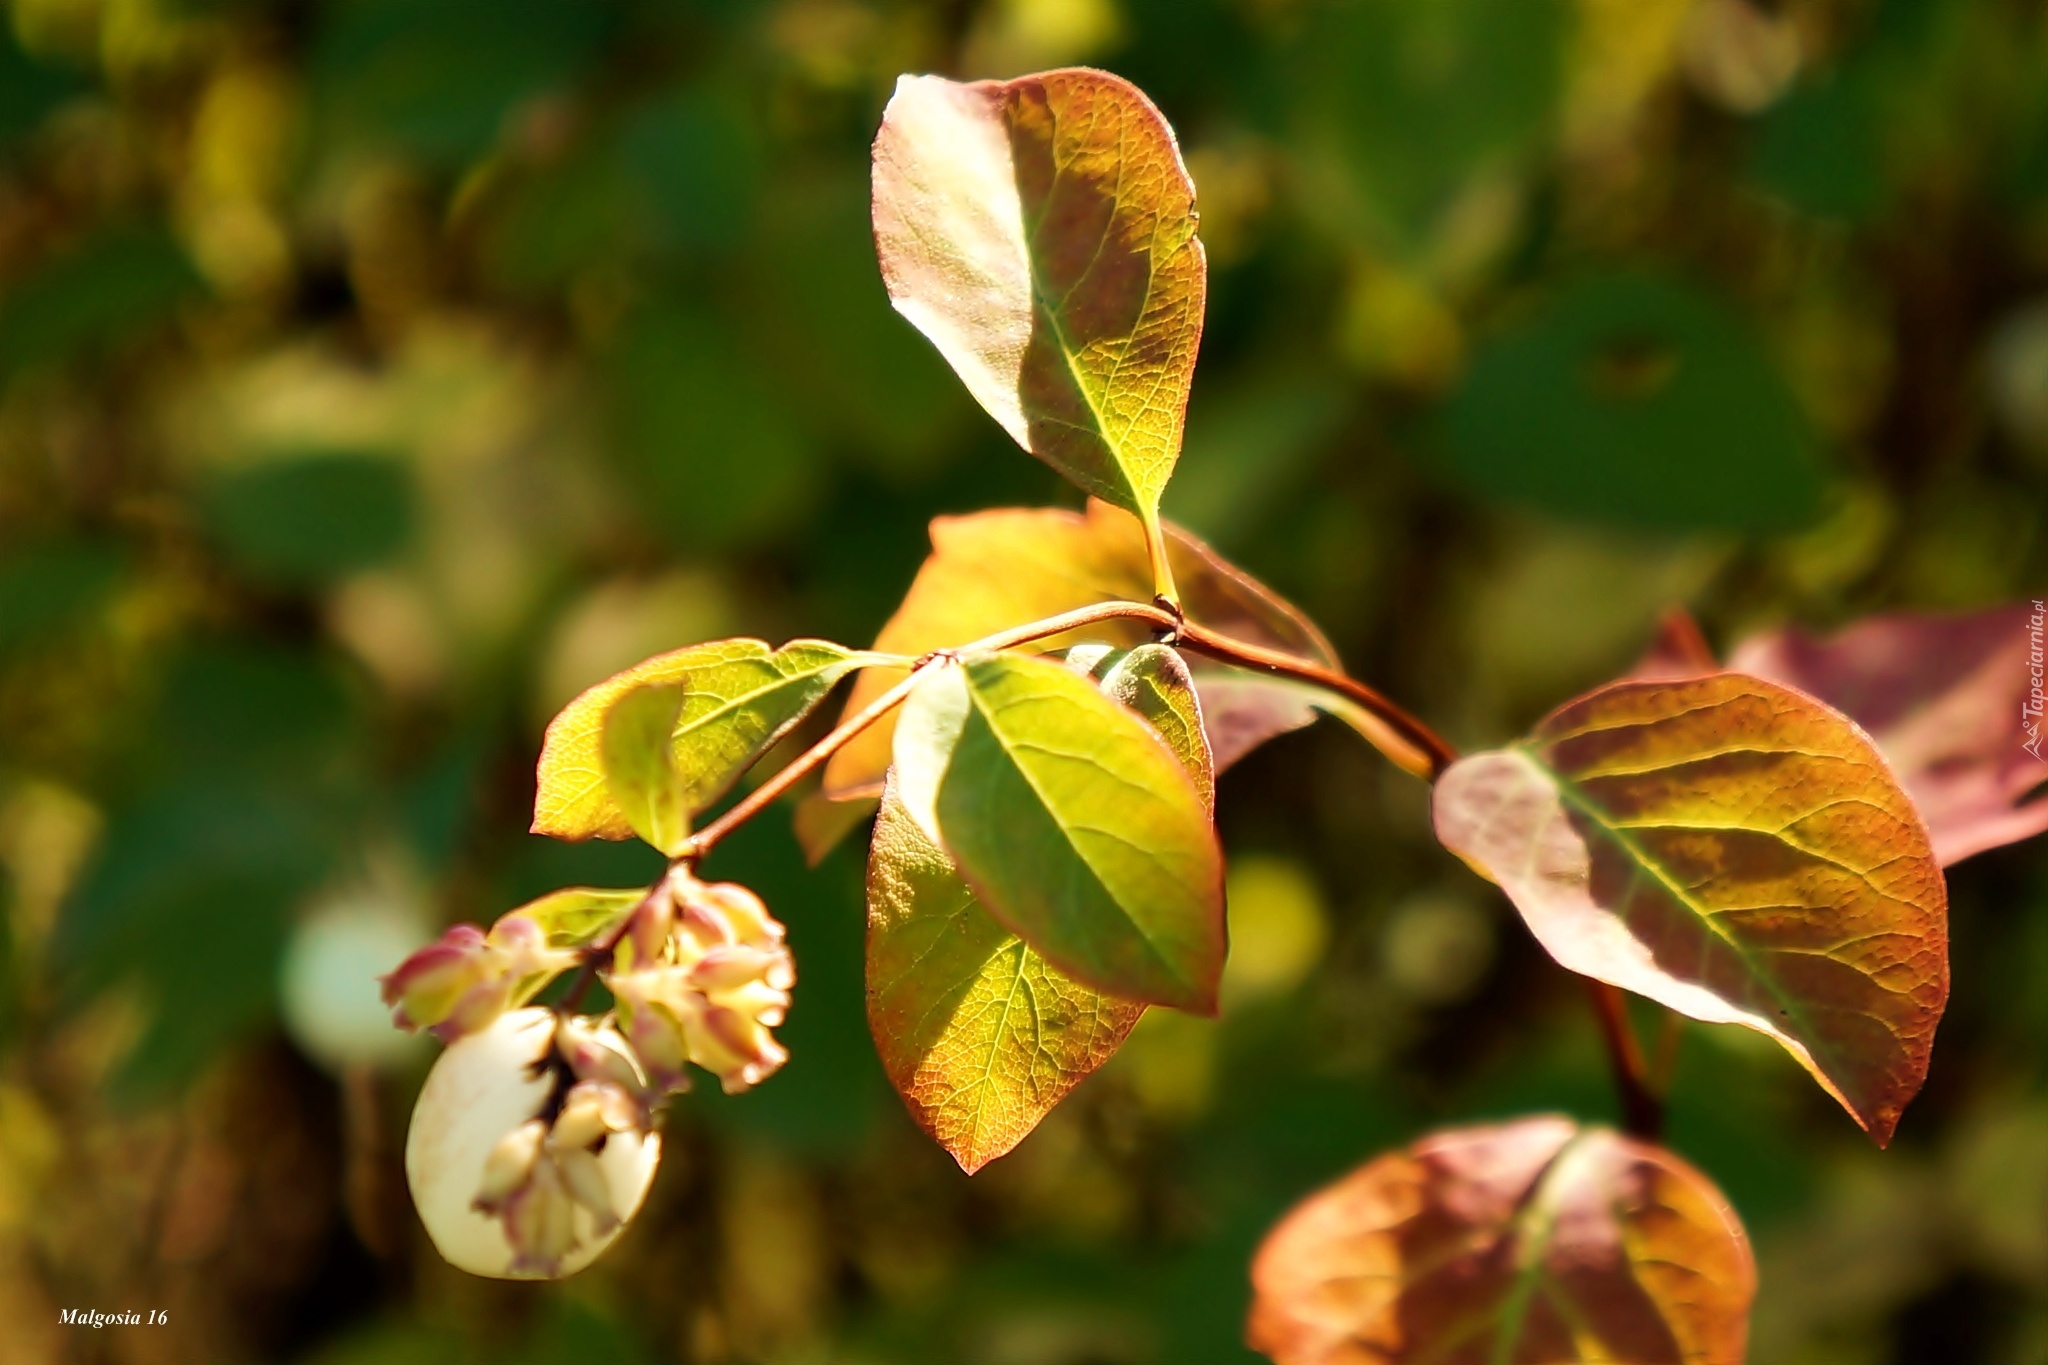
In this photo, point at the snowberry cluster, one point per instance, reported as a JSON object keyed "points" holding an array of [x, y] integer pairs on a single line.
{"points": [[533, 1141]]}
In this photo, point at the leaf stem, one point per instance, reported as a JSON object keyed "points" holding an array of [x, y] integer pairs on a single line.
{"points": [[1164, 594], [1642, 1108]]}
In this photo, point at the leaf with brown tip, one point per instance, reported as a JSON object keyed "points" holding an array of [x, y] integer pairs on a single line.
{"points": [[1041, 233], [1734, 850], [992, 570], [1529, 1243]]}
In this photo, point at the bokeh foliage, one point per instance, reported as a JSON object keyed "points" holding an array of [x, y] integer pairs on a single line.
{"points": [[375, 375]]}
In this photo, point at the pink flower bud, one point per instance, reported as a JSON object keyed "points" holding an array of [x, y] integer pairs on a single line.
{"points": [[463, 980], [723, 983]]}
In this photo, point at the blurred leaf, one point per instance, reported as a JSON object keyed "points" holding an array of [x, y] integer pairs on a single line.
{"points": [[1947, 699], [1041, 233], [111, 287], [705, 434], [863, 376], [821, 821], [1399, 106], [739, 697], [641, 775], [1249, 449], [1818, 150], [1735, 851], [980, 1035], [560, 220], [313, 519], [439, 77], [1634, 400], [1528, 1241], [244, 800], [48, 586], [996, 569], [1073, 822], [28, 89], [694, 157], [1153, 681]]}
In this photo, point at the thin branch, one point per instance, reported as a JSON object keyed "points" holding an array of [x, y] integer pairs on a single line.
{"points": [[1426, 753], [1429, 753], [1642, 1109]]}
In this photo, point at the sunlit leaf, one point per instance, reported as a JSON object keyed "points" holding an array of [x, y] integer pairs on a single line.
{"points": [[739, 697], [1529, 1243], [1953, 701], [996, 569], [981, 1036], [575, 915], [1734, 850], [640, 771], [1154, 681], [1072, 820], [310, 519], [1635, 400], [1041, 232]]}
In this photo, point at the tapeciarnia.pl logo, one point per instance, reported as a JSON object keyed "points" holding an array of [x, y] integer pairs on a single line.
{"points": [[2031, 708]]}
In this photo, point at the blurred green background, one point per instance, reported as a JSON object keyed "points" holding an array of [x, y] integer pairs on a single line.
{"points": [[376, 374]]}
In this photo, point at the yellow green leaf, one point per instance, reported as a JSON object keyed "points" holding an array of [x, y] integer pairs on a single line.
{"points": [[980, 1035], [639, 771], [1072, 820], [1734, 850], [738, 698], [1041, 233]]}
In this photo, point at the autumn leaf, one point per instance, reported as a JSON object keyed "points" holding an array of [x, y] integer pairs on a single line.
{"points": [[1535, 1242], [1072, 820], [992, 570], [1041, 233], [1734, 850], [738, 698], [979, 1034], [1947, 699]]}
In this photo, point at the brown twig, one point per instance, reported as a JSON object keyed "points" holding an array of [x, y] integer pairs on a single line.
{"points": [[1436, 754], [1642, 1109]]}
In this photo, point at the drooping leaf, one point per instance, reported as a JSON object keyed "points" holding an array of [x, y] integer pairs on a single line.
{"points": [[739, 697], [640, 770], [996, 569], [1535, 1242], [1955, 703], [1154, 681], [1734, 850], [1637, 401], [980, 1035], [1041, 232], [1074, 823]]}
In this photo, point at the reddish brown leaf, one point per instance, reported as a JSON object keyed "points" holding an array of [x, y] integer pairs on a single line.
{"points": [[1734, 850], [1954, 702], [1531, 1243], [1041, 232]]}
